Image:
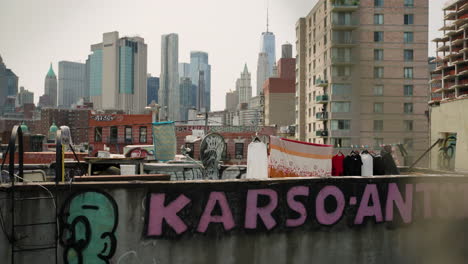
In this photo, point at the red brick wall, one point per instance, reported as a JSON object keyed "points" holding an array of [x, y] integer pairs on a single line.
{"points": [[287, 68]]}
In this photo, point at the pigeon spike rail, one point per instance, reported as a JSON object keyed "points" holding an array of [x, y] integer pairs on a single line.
{"points": [[16, 247]]}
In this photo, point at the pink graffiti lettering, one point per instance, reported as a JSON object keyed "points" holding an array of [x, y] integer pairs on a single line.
{"points": [[225, 218], [252, 209], [405, 207], [426, 189], [158, 212], [297, 206], [370, 194], [323, 217]]}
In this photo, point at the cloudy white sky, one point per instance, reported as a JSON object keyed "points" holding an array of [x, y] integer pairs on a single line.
{"points": [[34, 33]]}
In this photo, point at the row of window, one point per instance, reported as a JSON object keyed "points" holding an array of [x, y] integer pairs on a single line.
{"points": [[114, 132], [380, 3], [378, 90], [408, 19], [407, 72], [408, 55], [346, 142], [408, 37], [345, 125]]}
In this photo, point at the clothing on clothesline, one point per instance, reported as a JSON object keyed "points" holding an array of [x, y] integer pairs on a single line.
{"points": [[352, 165], [337, 165], [367, 168], [290, 158], [379, 166], [257, 161]]}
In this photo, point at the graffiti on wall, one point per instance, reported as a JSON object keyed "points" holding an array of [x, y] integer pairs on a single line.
{"points": [[211, 151], [172, 215], [447, 152], [88, 221]]}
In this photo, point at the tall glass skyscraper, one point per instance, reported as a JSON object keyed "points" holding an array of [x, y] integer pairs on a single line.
{"points": [[268, 46], [199, 67], [169, 90], [152, 89], [71, 83]]}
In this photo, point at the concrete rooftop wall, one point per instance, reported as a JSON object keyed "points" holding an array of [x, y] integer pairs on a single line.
{"points": [[352, 220]]}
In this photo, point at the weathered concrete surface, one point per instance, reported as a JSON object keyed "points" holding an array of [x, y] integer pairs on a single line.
{"points": [[441, 238]]}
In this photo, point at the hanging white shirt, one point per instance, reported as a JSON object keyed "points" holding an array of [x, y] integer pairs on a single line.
{"points": [[367, 168], [257, 161]]}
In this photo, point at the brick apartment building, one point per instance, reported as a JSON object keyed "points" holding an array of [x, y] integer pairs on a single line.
{"points": [[362, 74]]}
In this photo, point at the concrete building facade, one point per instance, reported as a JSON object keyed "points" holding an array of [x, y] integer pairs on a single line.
{"points": [[24, 97], [118, 71], [449, 91], [169, 90], [362, 74], [232, 100], [71, 83]]}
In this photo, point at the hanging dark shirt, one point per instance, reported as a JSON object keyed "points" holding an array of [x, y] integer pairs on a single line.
{"points": [[379, 167], [352, 165], [390, 167]]}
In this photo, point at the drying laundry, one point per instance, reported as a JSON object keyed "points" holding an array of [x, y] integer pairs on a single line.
{"points": [[290, 158]]}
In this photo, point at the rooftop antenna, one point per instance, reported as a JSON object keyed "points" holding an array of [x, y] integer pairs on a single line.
{"points": [[268, 3]]}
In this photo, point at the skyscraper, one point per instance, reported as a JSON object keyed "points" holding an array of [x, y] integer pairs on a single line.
{"points": [[362, 79], [152, 89], [199, 66], [24, 97], [118, 69], [263, 72], [244, 87], [169, 90], [71, 83], [286, 51], [50, 88], [184, 70], [185, 97], [268, 47], [8, 85], [232, 100]]}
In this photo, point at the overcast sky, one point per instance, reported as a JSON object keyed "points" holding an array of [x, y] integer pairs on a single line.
{"points": [[34, 33]]}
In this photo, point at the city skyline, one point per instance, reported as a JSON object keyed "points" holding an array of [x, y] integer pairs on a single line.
{"points": [[30, 64]]}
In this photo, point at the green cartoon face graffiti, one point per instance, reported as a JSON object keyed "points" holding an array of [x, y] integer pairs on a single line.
{"points": [[88, 224]]}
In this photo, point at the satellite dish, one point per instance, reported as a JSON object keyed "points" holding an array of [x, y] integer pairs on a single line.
{"points": [[211, 151]]}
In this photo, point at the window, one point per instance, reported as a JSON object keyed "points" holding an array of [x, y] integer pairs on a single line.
{"points": [[408, 108], [341, 71], [310, 128], [378, 3], [314, 49], [378, 125], [378, 36], [408, 142], [378, 107], [378, 90], [341, 89], [408, 125], [378, 54], [378, 142], [408, 72], [143, 135], [341, 142], [409, 19], [408, 37], [325, 26], [310, 112], [98, 134], [378, 19], [114, 132], [378, 72], [310, 97], [408, 90], [340, 107], [340, 124], [409, 3], [128, 134], [239, 150], [408, 54]]}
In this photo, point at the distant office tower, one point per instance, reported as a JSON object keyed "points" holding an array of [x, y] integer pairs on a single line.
{"points": [[232, 100], [286, 51], [50, 88], [268, 46], [169, 90], [71, 83], [118, 69], [185, 97], [244, 87], [263, 71], [362, 78], [24, 97], [8, 86], [198, 64], [152, 89], [184, 70]]}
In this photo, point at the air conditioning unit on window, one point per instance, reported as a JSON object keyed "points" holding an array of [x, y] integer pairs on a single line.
{"points": [[239, 157]]}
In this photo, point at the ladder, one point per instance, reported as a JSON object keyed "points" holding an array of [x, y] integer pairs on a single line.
{"points": [[17, 248]]}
